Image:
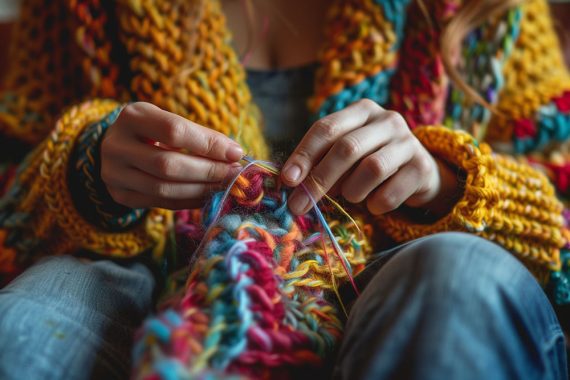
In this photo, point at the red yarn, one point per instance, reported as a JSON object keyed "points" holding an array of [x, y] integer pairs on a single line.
{"points": [[563, 102], [524, 128]]}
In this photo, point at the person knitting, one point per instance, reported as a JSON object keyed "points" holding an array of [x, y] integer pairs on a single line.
{"points": [[440, 125]]}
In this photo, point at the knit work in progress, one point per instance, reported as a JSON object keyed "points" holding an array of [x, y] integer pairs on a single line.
{"points": [[260, 298], [261, 288]]}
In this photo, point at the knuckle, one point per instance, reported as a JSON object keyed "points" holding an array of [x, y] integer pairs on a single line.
{"points": [[327, 128], [303, 157], [175, 132], [132, 110], [161, 190], [350, 196], [396, 120], [387, 201], [424, 165], [348, 146], [129, 111], [375, 165], [368, 103], [215, 172], [165, 165], [211, 143]]}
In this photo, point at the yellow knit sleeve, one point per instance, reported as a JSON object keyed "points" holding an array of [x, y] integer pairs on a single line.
{"points": [[40, 208], [504, 200]]}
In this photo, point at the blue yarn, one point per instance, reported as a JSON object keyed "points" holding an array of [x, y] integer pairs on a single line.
{"points": [[375, 88], [551, 125], [159, 329], [169, 369], [232, 308], [395, 13], [559, 286], [172, 317]]}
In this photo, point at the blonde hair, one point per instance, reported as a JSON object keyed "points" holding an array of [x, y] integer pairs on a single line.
{"points": [[472, 14]]}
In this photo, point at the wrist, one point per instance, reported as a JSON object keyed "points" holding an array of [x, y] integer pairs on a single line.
{"points": [[448, 190]]}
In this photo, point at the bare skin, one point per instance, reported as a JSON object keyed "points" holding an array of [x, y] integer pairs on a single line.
{"points": [[277, 33]]}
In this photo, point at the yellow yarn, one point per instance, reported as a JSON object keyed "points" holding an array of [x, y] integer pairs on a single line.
{"points": [[534, 74], [190, 68], [503, 201], [55, 220]]}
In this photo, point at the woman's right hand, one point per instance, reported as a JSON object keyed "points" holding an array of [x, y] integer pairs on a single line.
{"points": [[154, 158]]}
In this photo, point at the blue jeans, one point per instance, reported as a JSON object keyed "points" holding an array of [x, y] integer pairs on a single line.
{"points": [[447, 306]]}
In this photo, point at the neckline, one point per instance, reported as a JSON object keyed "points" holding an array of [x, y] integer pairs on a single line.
{"points": [[285, 70]]}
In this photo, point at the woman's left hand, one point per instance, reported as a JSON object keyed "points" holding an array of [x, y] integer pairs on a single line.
{"points": [[367, 153]]}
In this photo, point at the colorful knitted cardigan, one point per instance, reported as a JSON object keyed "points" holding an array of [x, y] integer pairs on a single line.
{"points": [[260, 292]]}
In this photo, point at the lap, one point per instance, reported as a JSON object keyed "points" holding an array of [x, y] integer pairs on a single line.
{"points": [[446, 302], [69, 318]]}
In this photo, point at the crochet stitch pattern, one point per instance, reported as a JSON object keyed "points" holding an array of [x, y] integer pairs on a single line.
{"points": [[259, 301]]}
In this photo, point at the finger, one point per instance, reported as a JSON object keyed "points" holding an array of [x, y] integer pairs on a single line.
{"points": [[136, 180], [322, 135], [134, 199], [179, 167], [343, 155], [372, 171], [150, 122], [395, 191]]}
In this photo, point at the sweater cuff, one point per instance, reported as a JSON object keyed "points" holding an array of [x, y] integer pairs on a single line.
{"points": [[504, 201], [88, 190], [39, 214]]}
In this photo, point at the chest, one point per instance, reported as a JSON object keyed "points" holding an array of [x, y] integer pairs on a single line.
{"points": [[276, 34]]}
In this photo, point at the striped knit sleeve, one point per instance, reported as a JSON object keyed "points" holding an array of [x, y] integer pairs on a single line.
{"points": [[88, 190], [38, 215], [503, 199]]}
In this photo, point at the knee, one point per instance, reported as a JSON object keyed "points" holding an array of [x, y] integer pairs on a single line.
{"points": [[460, 264]]}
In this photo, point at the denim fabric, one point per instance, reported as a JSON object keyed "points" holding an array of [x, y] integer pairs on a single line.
{"points": [[65, 318], [447, 306], [451, 306]]}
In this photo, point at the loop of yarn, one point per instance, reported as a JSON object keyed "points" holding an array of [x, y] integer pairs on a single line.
{"points": [[259, 301]]}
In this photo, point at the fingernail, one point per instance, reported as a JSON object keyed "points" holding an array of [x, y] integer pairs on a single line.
{"points": [[234, 153], [298, 203], [292, 172]]}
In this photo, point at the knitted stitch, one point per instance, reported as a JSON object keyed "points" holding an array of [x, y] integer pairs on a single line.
{"points": [[190, 70], [503, 201], [88, 190], [259, 300], [38, 211], [178, 56]]}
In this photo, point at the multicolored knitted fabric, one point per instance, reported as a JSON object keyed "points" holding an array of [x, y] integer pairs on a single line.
{"points": [[260, 299], [178, 55]]}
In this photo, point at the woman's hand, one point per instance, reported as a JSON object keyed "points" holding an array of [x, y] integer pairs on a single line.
{"points": [[367, 153], [154, 158]]}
